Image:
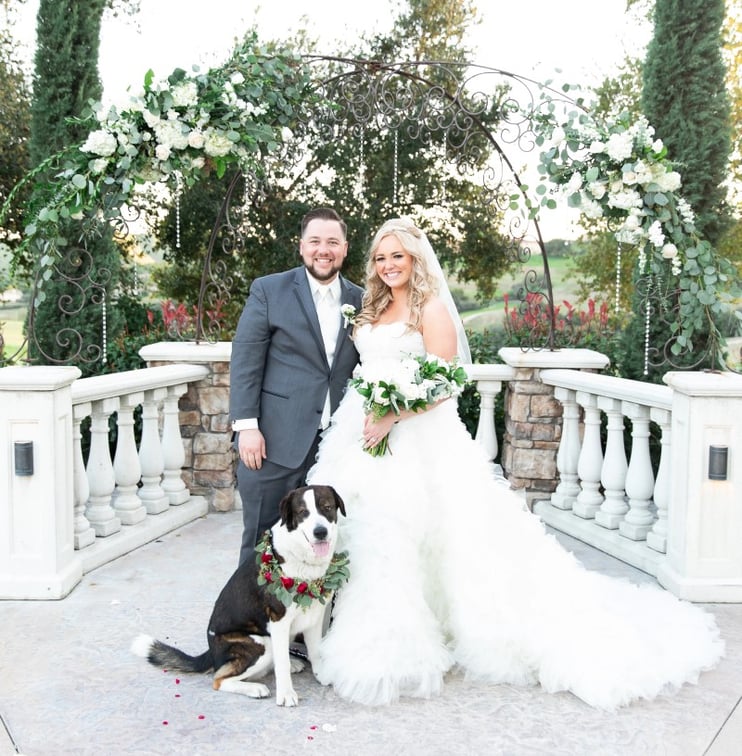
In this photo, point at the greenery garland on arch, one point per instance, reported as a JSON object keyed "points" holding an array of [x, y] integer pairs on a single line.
{"points": [[189, 125], [618, 171]]}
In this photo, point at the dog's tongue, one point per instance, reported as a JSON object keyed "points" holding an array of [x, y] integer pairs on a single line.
{"points": [[321, 548]]}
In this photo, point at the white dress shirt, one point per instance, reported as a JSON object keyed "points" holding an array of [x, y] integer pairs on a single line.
{"points": [[327, 301]]}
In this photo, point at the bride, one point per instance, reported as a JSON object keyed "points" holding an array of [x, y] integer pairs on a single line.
{"points": [[449, 571]]}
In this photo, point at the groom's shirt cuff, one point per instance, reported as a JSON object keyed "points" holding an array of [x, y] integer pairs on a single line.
{"points": [[248, 424]]}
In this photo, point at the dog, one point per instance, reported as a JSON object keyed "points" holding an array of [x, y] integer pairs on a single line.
{"points": [[268, 601]]}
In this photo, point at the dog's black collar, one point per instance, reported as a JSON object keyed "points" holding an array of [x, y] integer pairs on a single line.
{"points": [[302, 592]]}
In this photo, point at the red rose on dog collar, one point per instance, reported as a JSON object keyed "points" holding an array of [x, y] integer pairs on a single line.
{"points": [[285, 588]]}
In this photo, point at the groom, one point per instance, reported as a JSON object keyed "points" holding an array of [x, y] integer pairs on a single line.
{"points": [[291, 359]]}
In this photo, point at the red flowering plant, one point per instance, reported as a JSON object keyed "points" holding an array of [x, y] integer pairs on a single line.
{"points": [[531, 320], [302, 592], [180, 320]]}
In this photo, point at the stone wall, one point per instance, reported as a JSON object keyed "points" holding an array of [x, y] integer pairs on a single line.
{"points": [[210, 459], [533, 417], [533, 428]]}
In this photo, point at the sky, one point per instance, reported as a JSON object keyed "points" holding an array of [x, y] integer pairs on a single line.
{"points": [[524, 36], [539, 39]]}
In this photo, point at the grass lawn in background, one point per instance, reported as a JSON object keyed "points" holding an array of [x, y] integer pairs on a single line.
{"points": [[563, 286], [11, 320]]}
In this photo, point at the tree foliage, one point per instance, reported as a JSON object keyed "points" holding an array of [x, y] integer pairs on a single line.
{"points": [[731, 242], [403, 173], [685, 99], [15, 97]]}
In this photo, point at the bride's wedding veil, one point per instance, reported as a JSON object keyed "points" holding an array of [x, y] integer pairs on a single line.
{"points": [[462, 343]]}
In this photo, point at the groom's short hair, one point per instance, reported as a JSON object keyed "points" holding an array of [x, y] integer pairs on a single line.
{"points": [[323, 213]]}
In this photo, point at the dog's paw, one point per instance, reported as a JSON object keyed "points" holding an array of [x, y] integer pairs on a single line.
{"points": [[244, 688], [260, 690], [297, 665], [287, 698]]}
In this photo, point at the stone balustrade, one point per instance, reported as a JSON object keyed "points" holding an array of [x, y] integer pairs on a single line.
{"points": [[564, 444]]}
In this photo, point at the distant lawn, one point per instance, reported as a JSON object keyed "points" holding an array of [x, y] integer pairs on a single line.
{"points": [[561, 281], [12, 330]]}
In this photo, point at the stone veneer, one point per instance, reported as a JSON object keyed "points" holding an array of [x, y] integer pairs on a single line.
{"points": [[210, 459], [533, 417]]}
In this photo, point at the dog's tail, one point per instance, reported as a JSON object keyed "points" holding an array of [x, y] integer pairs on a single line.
{"points": [[168, 657]]}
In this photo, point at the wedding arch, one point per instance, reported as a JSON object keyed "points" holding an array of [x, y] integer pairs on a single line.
{"points": [[259, 108]]}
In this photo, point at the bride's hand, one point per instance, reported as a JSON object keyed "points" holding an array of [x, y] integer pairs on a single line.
{"points": [[374, 429]]}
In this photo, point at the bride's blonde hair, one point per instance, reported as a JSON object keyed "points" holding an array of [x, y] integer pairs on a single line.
{"points": [[422, 285]]}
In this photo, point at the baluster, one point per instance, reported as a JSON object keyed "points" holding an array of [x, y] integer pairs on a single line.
{"points": [[486, 433], [101, 479], [126, 465], [172, 448], [639, 477], [591, 459], [150, 454], [84, 534], [657, 536], [569, 451], [613, 474]]}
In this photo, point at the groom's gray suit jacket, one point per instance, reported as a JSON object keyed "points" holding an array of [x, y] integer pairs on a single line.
{"points": [[279, 371]]}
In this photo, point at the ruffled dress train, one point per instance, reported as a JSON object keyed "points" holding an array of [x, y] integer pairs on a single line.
{"points": [[450, 571]]}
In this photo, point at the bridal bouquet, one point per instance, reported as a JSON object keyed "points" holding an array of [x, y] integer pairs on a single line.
{"points": [[412, 383]]}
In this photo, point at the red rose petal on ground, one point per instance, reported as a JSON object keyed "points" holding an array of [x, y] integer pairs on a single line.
{"points": [[177, 681], [164, 722], [201, 716], [313, 727], [177, 695]]}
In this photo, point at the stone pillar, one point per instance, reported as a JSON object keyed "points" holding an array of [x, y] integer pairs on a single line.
{"points": [[704, 528], [37, 509], [533, 417], [209, 459]]}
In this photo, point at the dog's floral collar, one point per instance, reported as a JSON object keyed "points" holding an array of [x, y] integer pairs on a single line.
{"points": [[301, 592]]}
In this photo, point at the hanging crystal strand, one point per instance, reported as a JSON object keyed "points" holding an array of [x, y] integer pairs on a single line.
{"points": [[104, 326], [396, 168], [178, 194], [647, 318], [443, 169], [618, 278], [362, 163]]}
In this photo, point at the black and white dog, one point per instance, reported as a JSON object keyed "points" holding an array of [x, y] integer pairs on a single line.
{"points": [[268, 601]]}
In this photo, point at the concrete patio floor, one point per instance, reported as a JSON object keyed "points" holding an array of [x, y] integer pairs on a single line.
{"points": [[69, 684]]}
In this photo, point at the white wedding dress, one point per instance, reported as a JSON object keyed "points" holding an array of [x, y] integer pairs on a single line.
{"points": [[449, 571]]}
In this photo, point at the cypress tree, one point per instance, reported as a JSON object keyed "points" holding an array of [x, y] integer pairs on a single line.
{"points": [[77, 298], [685, 98]]}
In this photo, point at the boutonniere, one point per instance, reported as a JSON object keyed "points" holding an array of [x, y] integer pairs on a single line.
{"points": [[349, 314]]}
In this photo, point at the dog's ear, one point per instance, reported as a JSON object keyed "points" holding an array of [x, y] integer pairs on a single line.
{"points": [[287, 511], [340, 503]]}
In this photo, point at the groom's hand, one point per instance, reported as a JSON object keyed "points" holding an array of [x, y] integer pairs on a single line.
{"points": [[251, 446]]}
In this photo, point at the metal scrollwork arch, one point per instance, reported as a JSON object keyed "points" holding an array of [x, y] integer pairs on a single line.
{"points": [[445, 106]]}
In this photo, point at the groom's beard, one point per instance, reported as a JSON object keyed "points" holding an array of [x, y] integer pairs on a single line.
{"points": [[323, 276]]}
